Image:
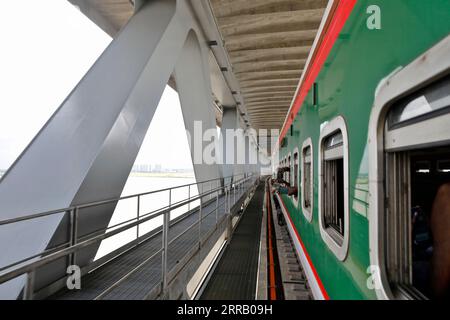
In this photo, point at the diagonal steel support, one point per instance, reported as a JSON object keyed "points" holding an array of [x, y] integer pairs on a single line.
{"points": [[86, 150], [193, 85]]}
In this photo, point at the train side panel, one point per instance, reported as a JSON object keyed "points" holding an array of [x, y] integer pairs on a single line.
{"points": [[346, 85]]}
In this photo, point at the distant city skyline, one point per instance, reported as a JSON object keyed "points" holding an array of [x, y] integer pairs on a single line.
{"points": [[147, 167]]}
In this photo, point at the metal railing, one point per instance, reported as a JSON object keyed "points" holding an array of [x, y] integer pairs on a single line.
{"points": [[215, 190]]}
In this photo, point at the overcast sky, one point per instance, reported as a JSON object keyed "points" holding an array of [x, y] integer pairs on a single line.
{"points": [[47, 47]]}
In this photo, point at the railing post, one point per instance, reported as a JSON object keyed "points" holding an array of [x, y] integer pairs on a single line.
{"points": [[200, 218], [229, 199], [217, 204], [240, 188], [137, 218], [73, 234], [29, 287], [228, 211], [189, 198], [210, 190], [165, 244]]}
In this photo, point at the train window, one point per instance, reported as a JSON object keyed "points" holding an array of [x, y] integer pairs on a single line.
{"points": [[429, 102], [296, 174], [289, 176], [307, 182], [333, 187], [417, 175], [422, 167], [443, 166], [284, 166]]}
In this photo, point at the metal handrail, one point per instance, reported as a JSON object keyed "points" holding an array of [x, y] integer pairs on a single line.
{"points": [[162, 210], [193, 225], [22, 267], [102, 202]]}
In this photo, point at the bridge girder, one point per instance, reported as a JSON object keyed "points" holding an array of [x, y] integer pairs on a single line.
{"points": [[86, 150]]}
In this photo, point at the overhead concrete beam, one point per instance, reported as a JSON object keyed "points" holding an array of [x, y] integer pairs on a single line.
{"points": [[225, 8], [267, 121], [269, 94], [271, 22], [268, 106], [270, 75], [257, 83], [281, 65], [264, 114], [275, 101], [270, 40], [268, 111], [274, 98], [285, 53], [265, 89]]}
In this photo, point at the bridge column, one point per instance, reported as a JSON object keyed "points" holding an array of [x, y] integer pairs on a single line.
{"points": [[229, 148], [194, 88]]}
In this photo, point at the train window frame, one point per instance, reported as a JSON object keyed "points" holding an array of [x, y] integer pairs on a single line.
{"points": [[307, 212], [284, 166], [428, 68], [338, 244], [295, 199], [289, 165]]}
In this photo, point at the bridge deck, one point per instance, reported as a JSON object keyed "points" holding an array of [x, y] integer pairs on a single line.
{"points": [[100, 283], [236, 274]]}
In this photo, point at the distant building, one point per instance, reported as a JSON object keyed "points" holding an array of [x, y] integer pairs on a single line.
{"points": [[142, 168]]}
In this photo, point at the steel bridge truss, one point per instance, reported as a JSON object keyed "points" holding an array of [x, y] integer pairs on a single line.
{"points": [[86, 150]]}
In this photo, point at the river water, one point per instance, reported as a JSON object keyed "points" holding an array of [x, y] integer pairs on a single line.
{"points": [[127, 209]]}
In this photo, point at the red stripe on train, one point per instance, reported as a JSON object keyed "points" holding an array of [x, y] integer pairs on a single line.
{"points": [[340, 16]]}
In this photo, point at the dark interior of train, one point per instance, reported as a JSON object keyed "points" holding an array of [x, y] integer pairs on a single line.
{"points": [[306, 185], [334, 195], [430, 169]]}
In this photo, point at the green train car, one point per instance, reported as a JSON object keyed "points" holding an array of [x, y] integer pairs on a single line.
{"points": [[367, 144]]}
